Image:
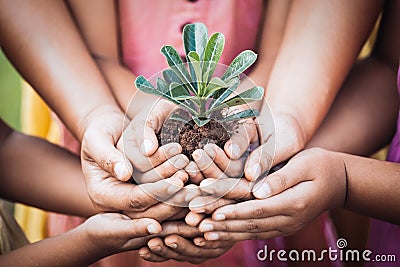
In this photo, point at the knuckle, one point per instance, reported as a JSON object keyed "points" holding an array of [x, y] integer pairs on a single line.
{"points": [[136, 205], [258, 212], [252, 236], [251, 225], [279, 182], [299, 206]]}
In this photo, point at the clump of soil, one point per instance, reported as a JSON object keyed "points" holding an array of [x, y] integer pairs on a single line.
{"points": [[191, 137]]}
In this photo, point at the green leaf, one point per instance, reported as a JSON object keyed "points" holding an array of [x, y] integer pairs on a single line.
{"points": [[195, 38], [145, 86], [195, 71], [200, 122], [253, 94], [170, 76], [176, 64], [212, 54], [248, 113], [241, 62], [178, 117], [215, 84], [179, 92], [162, 87], [221, 95]]}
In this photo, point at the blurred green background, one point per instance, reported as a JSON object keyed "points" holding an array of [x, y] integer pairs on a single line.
{"points": [[10, 93]]}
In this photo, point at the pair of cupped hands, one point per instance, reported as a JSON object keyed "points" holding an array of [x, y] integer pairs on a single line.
{"points": [[196, 210]]}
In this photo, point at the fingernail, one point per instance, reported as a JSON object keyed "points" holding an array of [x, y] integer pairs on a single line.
{"points": [[172, 245], [179, 163], [210, 151], [119, 170], [255, 171], [213, 236], [196, 154], [262, 191], [189, 197], [235, 150], [156, 249], [152, 229], [147, 145], [206, 227], [219, 217], [174, 150], [200, 243]]}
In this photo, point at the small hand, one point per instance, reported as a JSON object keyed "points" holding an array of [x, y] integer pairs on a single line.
{"points": [[288, 199]]}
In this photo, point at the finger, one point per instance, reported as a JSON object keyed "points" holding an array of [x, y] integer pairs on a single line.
{"points": [[123, 226], [208, 204], [229, 188], [258, 162], [277, 182], [239, 142], [159, 212], [140, 197], [231, 236], [179, 216], [164, 189], [145, 163], [166, 169], [193, 218], [179, 228], [195, 174], [184, 196], [232, 168], [258, 208], [187, 248], [206, 165], [98, 149], [157, 246], [202, 242], [147, 255], [141, 131], [249, 225]]}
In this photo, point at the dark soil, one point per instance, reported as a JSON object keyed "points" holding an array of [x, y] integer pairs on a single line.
{"points": [[191, 137]]}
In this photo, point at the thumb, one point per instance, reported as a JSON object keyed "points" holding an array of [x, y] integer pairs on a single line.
{"points": [[277, 182], [99, 147]]}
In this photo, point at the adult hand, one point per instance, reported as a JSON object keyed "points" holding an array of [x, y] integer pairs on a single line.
{"points": [[106, 170], [287, 200], [280, 139], [212, 161]]}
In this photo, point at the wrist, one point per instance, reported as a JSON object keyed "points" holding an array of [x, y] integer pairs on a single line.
{"points": [[95, 113]]}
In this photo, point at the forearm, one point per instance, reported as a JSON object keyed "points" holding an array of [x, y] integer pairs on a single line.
{"points": [[373, 187], [51, 178], [307, 72], [96, 20], [68, 249], [41, 40], [363, 116]]}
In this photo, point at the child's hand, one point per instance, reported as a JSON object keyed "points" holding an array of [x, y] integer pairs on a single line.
{"points": [[288, 199], [111, 233]]}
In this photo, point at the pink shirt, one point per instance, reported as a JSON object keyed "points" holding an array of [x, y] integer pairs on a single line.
{"points": [[148, 25]]}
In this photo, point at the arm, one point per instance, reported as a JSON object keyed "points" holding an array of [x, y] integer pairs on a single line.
{"points": [[85, 244], [103, 21], [55, 171], [307, 75], [42, 42]]}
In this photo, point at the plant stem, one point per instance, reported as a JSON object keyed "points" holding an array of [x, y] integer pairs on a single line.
{"points": [[202, 107]]}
